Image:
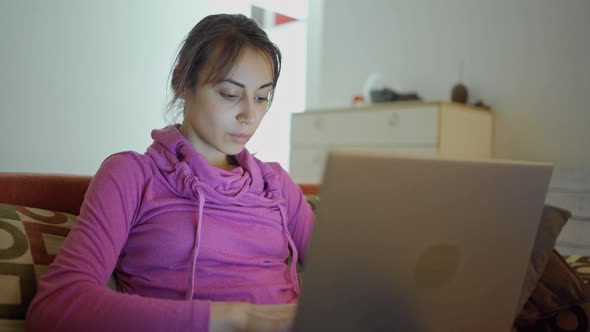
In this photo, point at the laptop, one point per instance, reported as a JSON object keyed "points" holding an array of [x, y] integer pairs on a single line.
{"points": [[411, 243]]}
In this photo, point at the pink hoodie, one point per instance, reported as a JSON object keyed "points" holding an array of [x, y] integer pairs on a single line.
{"points": [[178, 233]]}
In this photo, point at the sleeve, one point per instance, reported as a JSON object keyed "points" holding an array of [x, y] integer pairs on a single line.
{"points": [[73, 295], [301, 217]]}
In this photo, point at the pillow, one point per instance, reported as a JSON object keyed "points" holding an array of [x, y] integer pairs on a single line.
{"points": [[552, 221], [559, 302], [581, 265], [313, 201], [29, 241]]}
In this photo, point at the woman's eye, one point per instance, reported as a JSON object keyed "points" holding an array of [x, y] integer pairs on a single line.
{"points": [[228, 96], [261, 99]]}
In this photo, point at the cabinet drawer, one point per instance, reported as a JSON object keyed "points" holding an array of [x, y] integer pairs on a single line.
{"points": [[416, 126], [307, 163]]}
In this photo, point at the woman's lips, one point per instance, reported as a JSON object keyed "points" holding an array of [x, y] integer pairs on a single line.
{"points": [[240, 138]]}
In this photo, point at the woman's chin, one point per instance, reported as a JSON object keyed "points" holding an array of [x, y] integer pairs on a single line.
{"points": [[233, 150]]}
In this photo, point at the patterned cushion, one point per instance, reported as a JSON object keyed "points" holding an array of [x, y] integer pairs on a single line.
{"points": [[574, 319], [559, 302], [552, 221], [580, 264], [313, 201], [29, 240]]}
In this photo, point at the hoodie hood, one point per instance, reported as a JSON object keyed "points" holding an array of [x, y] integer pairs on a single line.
{"points": [[186, 170]]}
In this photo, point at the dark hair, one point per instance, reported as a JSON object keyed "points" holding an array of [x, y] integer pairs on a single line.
{"points": [[223, 36]]}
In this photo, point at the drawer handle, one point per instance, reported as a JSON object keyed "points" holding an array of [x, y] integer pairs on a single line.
{"points": [[393, 120]]}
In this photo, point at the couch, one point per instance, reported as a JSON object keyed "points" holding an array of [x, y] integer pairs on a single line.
{"points": [[37, 211]]}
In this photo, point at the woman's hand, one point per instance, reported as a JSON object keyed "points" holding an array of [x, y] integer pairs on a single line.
{"points": [[246, 317]]}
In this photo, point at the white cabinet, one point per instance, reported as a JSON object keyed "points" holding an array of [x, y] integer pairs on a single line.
{"points": [[408, 127]]}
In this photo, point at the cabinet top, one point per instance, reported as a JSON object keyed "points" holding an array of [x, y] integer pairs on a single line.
{"points": [[398, 105]]}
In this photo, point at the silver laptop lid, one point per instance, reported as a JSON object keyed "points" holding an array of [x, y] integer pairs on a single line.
{"points": [[408, 243]]}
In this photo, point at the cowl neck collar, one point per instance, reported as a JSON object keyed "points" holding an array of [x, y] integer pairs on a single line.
{"points": [[187, 171]]}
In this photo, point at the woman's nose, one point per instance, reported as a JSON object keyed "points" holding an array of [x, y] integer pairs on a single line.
{"points": [[247, 114]]}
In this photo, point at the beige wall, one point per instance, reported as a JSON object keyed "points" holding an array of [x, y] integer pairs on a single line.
{"points": [[83, 79], [529, 59]]}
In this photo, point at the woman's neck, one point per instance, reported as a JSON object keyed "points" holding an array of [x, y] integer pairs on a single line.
{"points": [[229, 164]]}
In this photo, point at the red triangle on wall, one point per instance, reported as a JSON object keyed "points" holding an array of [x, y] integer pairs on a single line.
{"points": [[282, 19]]}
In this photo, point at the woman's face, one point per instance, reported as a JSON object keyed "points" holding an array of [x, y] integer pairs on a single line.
{"points": [[220, 118]]}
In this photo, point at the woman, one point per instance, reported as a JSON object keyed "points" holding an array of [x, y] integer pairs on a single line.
{"points": [[197, 230]]}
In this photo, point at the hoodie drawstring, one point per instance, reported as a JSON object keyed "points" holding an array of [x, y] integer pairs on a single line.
{"points": [[196, 246], [295, 258]]}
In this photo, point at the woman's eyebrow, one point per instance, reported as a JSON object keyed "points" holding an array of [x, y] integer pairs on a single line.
{"points": [[228, 80], [265, 85]]}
